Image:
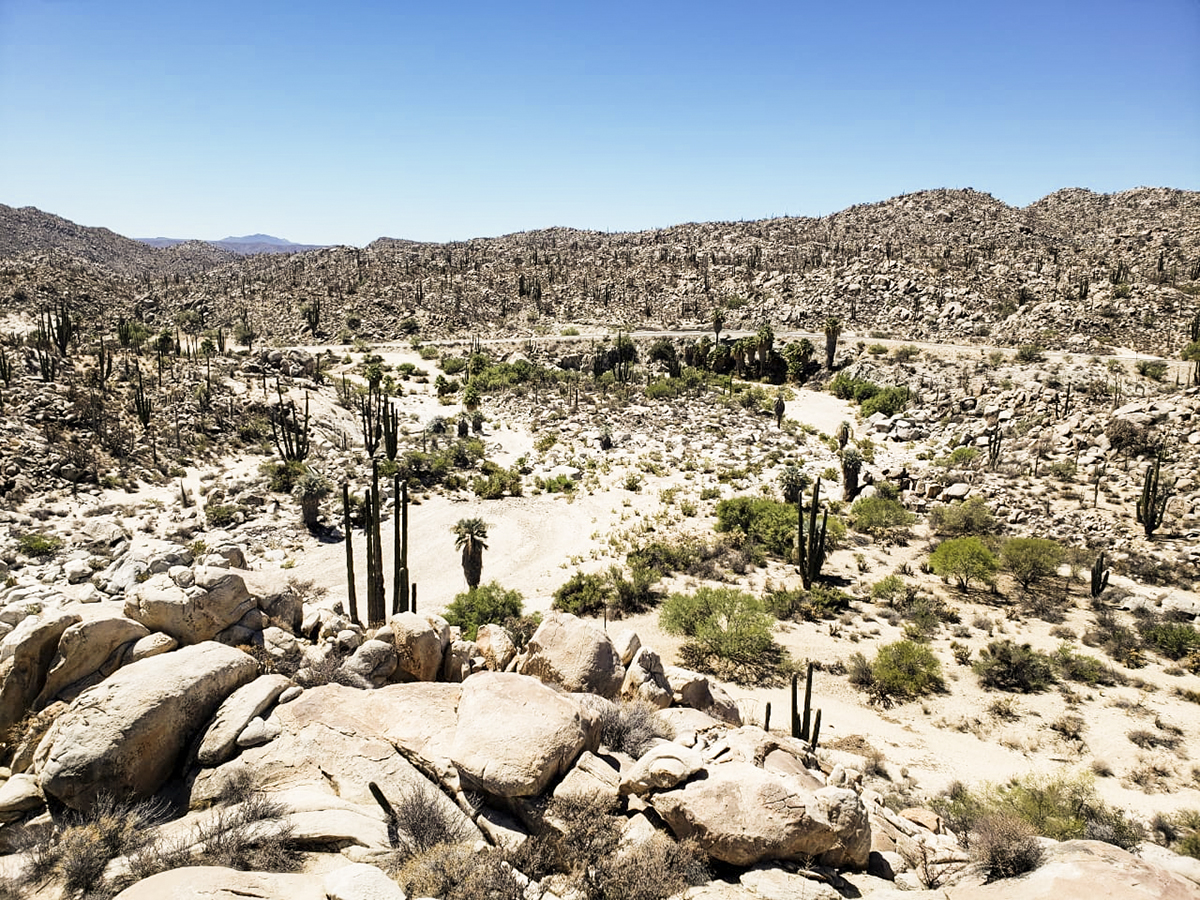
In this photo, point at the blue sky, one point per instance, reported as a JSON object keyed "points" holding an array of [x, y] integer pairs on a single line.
{"points": [[339, 123]]}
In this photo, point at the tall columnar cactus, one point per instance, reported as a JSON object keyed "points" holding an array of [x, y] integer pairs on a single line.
{"points": [[995, 442], [390, 426], [143, 404], [104, 365], [851, 468], [370, 413], [1099, 576], [58, 327], [810, 541], [376, 605], [6, 368], [400, 597], [803, 725], [351, 590], [1152, 505], [291, 435]]}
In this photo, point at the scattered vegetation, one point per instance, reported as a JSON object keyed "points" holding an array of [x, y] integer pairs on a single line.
{"points": [[901, 671], [729, 634], [484, 605]]}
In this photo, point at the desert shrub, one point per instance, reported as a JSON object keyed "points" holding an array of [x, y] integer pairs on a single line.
{"points": [[1005, 846], [220, 515], [889, 401], [885, 520], [484, 605], [651, 870], [1029, 560], [38, 545], [892, 590], [1083, 668], [1174, 640], [1061, 806], [664, 557], [822, 602], [1018, 668], [971, 516], [282, 476], [458, 872], [80, 850], [1030, 353], [964, 559], [901, 671], [585, 594], [633, 727], [1130, 438], [496, 481], [453, 365], [423, 818], [728, 631], [959, 458], [767, 522], [1153, 369]]}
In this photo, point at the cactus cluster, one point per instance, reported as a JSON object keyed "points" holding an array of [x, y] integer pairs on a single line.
{"points": [[805, 727], [810, 541]]}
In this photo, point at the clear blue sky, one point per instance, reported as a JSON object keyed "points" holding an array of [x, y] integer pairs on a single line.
{"points": [[341, 122]]}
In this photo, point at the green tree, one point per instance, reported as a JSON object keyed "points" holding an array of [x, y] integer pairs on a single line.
{"points": [[1029, 560], [883, 519], [484, 605], [470, 536], [964, 559]]}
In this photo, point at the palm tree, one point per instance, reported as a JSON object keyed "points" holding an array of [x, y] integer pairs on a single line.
{"points": [[833, 330], [718, 322], [470, 535]]}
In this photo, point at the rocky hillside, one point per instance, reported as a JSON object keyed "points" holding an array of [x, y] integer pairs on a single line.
{"points": [[1075, 269]]}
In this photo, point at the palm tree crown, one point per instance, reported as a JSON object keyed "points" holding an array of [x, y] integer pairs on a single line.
{"points": [[470, 536]]}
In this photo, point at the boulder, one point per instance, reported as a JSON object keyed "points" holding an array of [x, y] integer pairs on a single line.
{"points": [[219, 883], [515, 736], [218, 742], [456, 665], [218, 600], [361, 881], [124, 736], [742, 815], [18, 796], [645, 680], [695, 690], [569, 652], [373, 662], [26, 654], [88, 650], [495, 646], [1086, 870], [662, 766], [151, 645], [418, 648], [590, 779]]}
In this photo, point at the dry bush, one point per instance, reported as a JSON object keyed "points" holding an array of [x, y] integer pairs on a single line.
{"points": [[421, 818], [653, 870], [79, 851], [633, 727], [1005, 846], [457, 872]]}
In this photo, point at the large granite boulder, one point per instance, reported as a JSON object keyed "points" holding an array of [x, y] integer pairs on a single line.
{"points": [[567, 651], [742, 815], [217, 599], [515, 736], [124, 736], [87, 652], [218, 883], [26, 654], [419, 648], [218, 743]]}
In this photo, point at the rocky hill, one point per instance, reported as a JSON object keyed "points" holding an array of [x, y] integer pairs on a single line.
{"points": [[1075, 270]]}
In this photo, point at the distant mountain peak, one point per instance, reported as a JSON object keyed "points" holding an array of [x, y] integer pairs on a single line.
{"points": [[256, 239]]}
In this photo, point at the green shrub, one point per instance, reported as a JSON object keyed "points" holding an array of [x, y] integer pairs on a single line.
{"points": [[901, 671], [1018, 668], [453, 365], [885, 520], [635, 593], [484, 605], [1083, 668], [282, 476], [1029, 560], [970, 516], [1153, 369], [728, 631], [218, 515], [38, 545], [892, 590], [959, 458], [771, 524], [1030, 353], [822, 602], [889, 401], [1174, 640], [964, 559], [585, 594]]}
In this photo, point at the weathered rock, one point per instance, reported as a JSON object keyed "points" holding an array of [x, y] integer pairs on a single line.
{"points": [[567, 651], [515, 735], [662, 766], [18, 795], [124, 735], [418, 648], [495, 646], [456, 664], [373, 661], [1086, 870], [259, 731], [26, 654], [219, 739], [695, 690], [217, 883], [628, 644], [645, 680], [590, 779], [361, 881], [95, 648], [742, 815], [219, 600], [151, 645]]}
